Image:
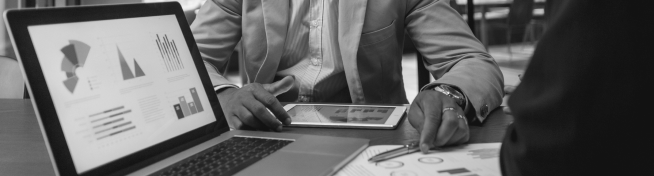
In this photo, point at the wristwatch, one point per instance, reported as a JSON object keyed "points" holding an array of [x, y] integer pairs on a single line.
{"points": [[458, 97]]}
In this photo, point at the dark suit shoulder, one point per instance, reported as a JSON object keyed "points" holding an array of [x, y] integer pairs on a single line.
{"points": [[578, 108]]}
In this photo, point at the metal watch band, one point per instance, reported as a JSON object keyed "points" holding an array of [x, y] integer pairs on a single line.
{"points": [[452, 93]]}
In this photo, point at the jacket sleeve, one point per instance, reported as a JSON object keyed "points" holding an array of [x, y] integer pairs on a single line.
{"points": [[454, 56], [217, 30]]}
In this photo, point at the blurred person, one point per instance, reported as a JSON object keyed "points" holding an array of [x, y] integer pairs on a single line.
{"points": [[348, 52], [582, 107]]}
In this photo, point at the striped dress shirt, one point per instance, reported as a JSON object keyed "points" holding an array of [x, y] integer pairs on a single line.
{"points": [[311, 53]]}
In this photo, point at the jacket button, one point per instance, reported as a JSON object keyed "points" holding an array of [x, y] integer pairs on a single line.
{"points": [[484, 110]]}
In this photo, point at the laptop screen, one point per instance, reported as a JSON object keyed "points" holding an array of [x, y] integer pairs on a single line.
{"points": [[121, 85]]}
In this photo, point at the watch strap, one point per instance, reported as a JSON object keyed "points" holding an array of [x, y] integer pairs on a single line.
{"points": [[458, 97]]}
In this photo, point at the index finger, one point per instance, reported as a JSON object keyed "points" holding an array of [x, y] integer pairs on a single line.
{"points": [[415, 117], [260, 117], [430, 127]]}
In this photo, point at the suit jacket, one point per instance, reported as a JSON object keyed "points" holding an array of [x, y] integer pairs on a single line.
{"points": [[581, 107], [370, 35]]}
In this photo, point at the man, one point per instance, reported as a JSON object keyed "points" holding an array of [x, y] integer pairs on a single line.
{"points": [[349, 52], [582, 106]]}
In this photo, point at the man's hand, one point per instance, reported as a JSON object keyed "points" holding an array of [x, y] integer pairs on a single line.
{"points": [[439, 120], [508, 90], [255, 106]]}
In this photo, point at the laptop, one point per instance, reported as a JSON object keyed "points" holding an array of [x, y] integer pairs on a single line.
{"points": [[123, 90]]}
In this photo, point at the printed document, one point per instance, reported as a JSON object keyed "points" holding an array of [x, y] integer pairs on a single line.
{"points": [[466, 160]]}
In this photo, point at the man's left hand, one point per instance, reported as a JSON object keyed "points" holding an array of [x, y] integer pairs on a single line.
{"points": [[439, 120]]}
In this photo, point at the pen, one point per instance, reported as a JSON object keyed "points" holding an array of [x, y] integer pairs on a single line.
{"points": [[406, 149]]}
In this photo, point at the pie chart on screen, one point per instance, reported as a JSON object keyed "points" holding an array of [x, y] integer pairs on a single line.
{"points": [[74, 56]]}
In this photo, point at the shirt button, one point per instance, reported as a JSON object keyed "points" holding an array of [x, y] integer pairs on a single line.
{"points": [[315, 62], [316, 23], [303, 99]]}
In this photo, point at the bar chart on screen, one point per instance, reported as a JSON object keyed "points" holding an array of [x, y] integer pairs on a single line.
{"points": [[111, 122], [106, 125], [186, 103], [169, 53]]}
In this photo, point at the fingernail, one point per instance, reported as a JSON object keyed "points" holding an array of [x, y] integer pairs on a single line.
{"points": [[287, 121], [279, 128], [424, 148]]}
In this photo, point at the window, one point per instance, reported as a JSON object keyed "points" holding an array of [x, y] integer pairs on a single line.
{"points": [[5, 43]]}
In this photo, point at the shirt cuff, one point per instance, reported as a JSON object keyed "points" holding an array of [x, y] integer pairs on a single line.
{"points": [[224, 86]]}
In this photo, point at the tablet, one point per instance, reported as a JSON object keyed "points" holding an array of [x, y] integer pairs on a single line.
{"points": [[345, 116]]}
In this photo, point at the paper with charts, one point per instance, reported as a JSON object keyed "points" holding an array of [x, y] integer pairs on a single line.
{"points": [[467, 160]]}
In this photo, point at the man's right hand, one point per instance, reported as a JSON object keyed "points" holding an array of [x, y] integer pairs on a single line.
{"points": [[255, 106], [508, 90]]}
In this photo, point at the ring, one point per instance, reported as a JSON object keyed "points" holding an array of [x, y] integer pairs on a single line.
{"points": [[447, 109], [461, 117]]}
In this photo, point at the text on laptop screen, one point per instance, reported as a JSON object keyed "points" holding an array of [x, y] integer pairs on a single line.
{"points": [[121, 85]]}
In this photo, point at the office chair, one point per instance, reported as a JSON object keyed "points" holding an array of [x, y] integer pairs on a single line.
{"points": [[539, 21], [12, 85], [520, 15]]}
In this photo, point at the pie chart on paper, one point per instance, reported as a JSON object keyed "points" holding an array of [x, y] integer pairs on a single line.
{"points": [[75, 55]]}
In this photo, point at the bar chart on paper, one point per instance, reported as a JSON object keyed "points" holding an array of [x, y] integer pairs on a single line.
{"points": [[169, 53], [465, 160], [185, 108]]}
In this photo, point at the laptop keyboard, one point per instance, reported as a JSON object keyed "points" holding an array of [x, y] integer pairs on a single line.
{"points": [[227, 157]]}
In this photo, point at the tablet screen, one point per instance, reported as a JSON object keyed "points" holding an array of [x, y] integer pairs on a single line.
{"points": [[340, 114]]}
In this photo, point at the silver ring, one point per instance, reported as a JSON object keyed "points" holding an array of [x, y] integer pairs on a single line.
{"points": [[464, 119], [447, 109]]}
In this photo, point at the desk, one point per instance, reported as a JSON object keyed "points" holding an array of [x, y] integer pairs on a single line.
{"points": [[23, 151]]}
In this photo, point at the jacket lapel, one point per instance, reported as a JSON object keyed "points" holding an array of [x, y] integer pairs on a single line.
{"points": [[351, 14], [262, 60]]}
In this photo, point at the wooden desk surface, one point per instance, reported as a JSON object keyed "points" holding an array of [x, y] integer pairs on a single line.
{"points": [[23, 151]]}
